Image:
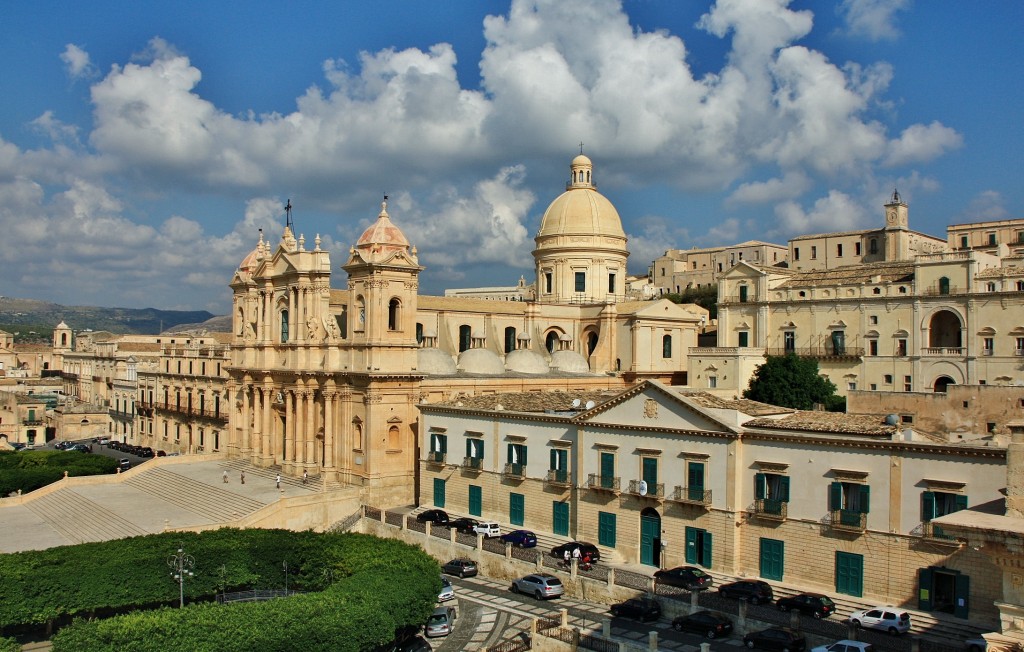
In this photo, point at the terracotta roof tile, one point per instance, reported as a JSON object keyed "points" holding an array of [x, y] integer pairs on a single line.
{"points": [[746, 406], [883, 272], [832, 422], [558, 401]]}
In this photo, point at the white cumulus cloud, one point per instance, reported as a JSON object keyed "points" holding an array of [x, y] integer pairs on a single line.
{"points": [[76, 62], [872, 19]]}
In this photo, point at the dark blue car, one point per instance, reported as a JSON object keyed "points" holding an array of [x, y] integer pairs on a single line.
{"points": [[521, 538]]}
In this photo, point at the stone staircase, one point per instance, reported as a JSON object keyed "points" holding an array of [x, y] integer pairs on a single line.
{"points": [[79, 519], [269, 473], [213, 502]]}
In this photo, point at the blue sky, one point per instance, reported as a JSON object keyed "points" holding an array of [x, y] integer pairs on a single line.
{"points": [[142, 145]]}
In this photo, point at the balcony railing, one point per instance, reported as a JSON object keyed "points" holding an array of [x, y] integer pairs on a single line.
{"points": [[515, 471], [558, 477], [770, 509], [1018, 351], [473, 463], [845, 519], [650, 489], [603, 482], [822, 352], [436, 457], [987, 352], [949, 351], [930, 530], [32, 422], [692, 495]]}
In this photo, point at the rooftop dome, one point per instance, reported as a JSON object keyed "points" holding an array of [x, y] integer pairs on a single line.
{"points": [[383, 234], [434, 362], [526, 361], [480, 361], [569, 361], [581, 209]]}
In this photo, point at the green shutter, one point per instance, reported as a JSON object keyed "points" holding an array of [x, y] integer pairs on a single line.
{"points": [[961, 503], [554, 460], [691, 545], [650, 472], [516, 508], [607, 465], [695, 476], [476, 500], [835, 495], [444, 444], [438, 492], [865, 498], [784, 488], [469, 448], [962, 594], [924, 589], [522, 454], [509, 460], [705, 552], [759, 485], [927, 506]]}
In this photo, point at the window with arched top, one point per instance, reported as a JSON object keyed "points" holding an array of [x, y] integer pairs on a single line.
{"points": [[394, 314], [419, 333], [551, 342], [666, 346], [284, 325], [873, 246], [465, 337], [510, 339], [63, 339], [944, 285], [591, 342]]}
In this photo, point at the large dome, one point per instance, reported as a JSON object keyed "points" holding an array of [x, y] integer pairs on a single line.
{"points": [[480, 361], [581, 209], [383, 234], [526, 361], [434, 362], [569, 361]]}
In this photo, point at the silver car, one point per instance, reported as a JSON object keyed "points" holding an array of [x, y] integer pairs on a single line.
{"points": [[447, 592], [441, 622], [539, 585], [887, 619]]}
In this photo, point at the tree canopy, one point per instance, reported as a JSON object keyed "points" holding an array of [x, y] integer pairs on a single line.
{"points": [[794, 382]]}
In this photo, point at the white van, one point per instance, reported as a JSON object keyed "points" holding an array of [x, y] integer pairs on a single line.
{"points": [[488, 528]]}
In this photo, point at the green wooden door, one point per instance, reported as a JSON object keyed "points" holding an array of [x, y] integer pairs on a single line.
{"points": [[850, 573], [438, 492], [961, 601], [560, 518], [772, 559], [698, 547], [924, 589], [695, 480], [516, 508], [607, 470], [476, 500], [606, 529], [650, 529]]}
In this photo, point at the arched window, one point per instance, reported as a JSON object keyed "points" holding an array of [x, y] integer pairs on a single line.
{"points": [[551, 342], [510, 339], [63, 339], [360, 314], [666, 346], [591, 343], [419, 333], [284, 325], [394, 314], [944, 285], [465, 335], [873, 246]]}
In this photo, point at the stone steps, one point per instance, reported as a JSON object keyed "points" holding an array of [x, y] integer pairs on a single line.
{"points": [[213, 503], [79, 519], [265, 473]]}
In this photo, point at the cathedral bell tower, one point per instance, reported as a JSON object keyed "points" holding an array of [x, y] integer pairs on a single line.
{"points": [[383, 280]]}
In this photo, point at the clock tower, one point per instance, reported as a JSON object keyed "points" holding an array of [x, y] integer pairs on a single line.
{"points": [[897, 226]]}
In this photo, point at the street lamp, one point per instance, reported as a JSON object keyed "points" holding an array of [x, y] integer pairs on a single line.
{"points": [[181, 566]]}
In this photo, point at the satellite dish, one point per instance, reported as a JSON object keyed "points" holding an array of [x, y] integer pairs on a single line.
{"points": [[576, 402], [590, 404], [643, 488]]}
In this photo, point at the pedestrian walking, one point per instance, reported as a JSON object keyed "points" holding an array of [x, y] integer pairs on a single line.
{"points": [[225, 477], [305, 477], [565, 556], [576, 555], [278, 480], [242, 476]]}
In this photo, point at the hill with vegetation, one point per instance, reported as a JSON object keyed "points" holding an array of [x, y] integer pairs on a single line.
{"points": [[33, 321]]}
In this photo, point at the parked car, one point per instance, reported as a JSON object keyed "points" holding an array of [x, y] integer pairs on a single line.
{"points": [[521, 538], [102, 441], [124, 464], [441, 622], [776, 638], [753, 591], [81, 448], [886, 619], [809, 604], [489, 529], [436, 516], [161, 453], [584, 548], [845, 645], [146, 451], [462, 567], [690, 578], [463, 524], [413, 644], [709, 623], [642, 609], [447, 592], [539, 585]]}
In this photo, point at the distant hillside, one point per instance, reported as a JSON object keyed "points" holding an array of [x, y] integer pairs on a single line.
{"points": [[32, 320]]}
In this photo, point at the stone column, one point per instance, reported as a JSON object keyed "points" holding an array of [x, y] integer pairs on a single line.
{"points": [[245, 446], [309, 434], [329, 434], [284, 452], [267, 429], [256, 436]]}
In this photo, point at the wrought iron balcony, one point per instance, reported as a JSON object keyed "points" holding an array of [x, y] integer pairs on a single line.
{"points": [[436, 457], [473, 463], [930, 530], [648, 489], [559, 477], [603, 482], [691, 495], [515, 471], [823, 352], [770, 509], [32, 422], [845, 519]]}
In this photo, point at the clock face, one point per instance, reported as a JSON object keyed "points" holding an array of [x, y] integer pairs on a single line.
{"points": [[892, 216]]}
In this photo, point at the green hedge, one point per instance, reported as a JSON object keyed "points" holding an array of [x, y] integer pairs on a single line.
{"points": [[30, 470], [367, 587], [9, 645]]}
